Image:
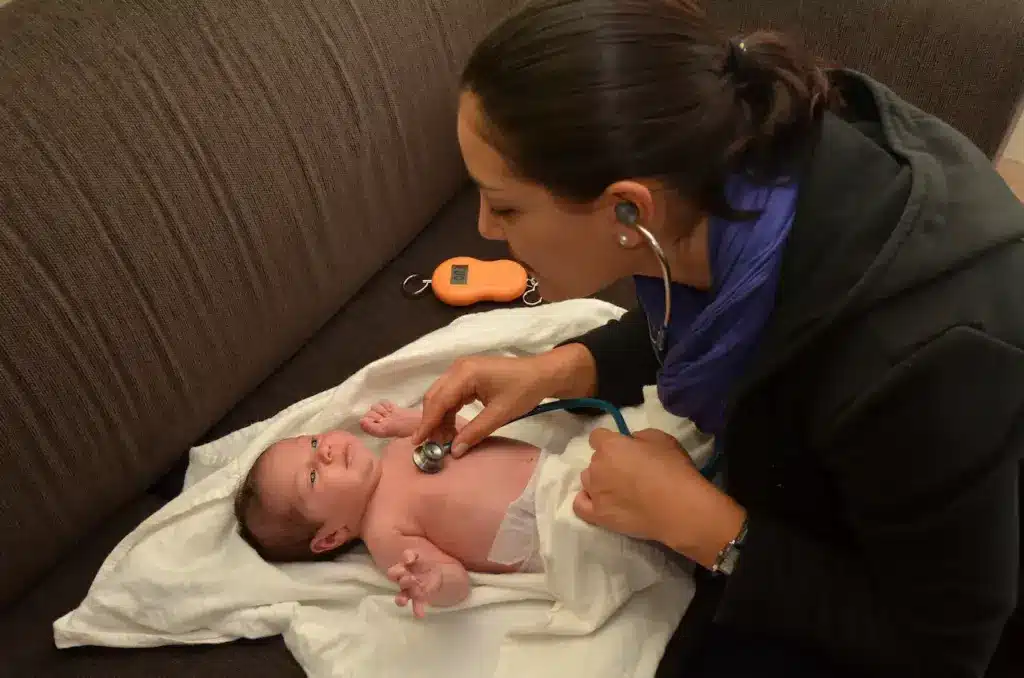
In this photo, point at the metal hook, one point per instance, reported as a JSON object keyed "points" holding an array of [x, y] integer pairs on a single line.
{"points": [[531, 289], [414, 294]]}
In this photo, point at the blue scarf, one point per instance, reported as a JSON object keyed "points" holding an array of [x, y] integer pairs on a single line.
{"points": [[712, 334]]}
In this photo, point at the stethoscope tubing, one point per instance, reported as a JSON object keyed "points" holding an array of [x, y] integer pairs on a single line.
{"points": [[708, 470]]}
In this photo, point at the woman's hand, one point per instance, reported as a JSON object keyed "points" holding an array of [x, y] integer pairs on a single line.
{"points": [[508, 388], [647, 487]]}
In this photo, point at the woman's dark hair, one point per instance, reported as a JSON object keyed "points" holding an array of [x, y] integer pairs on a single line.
{"points": [[579, 94]]}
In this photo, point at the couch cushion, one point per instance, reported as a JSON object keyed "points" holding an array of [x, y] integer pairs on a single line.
{"points": [[189, 190], [961, 61]]}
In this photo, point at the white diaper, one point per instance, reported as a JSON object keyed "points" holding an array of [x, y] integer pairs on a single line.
{"points": [[517, 541]]}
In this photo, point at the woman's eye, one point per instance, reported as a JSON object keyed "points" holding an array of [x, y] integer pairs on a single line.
{"points": [[312, 477], [504, 212]]}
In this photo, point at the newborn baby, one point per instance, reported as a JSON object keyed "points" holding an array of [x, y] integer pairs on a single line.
{"points": [[313, 496]]}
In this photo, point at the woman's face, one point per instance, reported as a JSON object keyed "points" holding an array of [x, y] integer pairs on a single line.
{"points": [[572, 250]]}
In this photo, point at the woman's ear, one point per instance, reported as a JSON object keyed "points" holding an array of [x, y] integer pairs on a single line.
{"points": [[328, 538], [634, 193]]}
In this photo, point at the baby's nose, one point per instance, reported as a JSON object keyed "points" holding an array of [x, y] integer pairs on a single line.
{"points": [[324, 451]]}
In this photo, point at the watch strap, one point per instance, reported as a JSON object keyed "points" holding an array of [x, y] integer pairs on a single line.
{"points": [[725, 563]]}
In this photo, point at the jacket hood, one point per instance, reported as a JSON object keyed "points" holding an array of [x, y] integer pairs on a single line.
{"points": [[890, 199]]}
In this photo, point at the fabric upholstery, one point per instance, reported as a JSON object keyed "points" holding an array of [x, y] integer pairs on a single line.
{"points": [[961, 61], [189, 190]]}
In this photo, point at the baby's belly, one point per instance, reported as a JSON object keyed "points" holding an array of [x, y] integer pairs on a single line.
{"points": [[464, 505]]}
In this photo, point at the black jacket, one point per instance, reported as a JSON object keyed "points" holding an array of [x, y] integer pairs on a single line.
{"points": [[876, 439]]}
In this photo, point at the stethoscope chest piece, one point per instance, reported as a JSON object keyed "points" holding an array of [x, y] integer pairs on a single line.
{"points": [[429, 456]]}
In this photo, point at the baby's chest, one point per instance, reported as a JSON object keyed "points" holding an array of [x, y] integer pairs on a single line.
{"points": [[472, 493]]}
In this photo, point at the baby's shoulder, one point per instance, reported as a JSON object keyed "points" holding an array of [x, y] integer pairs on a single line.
{"points": [[387, 537], [394, 507]]}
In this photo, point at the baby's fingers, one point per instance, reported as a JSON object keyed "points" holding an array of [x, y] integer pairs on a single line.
{"points": [[410, 585], [396, 572]]}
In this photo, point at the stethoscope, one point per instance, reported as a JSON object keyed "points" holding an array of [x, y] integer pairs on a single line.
{"points": [[429, 456]]}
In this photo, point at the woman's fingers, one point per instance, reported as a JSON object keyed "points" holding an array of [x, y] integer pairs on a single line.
{"points": [[583, 507], [490, 419], [507, 387], [440, 405]]}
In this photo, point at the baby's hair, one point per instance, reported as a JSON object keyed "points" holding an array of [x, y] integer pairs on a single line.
{"points": [[291, 544]]}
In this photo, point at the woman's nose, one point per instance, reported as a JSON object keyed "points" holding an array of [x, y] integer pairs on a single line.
{"points": [[488, 226]]}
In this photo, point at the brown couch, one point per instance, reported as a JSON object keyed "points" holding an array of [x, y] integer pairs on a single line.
{"points": [[206, 209]]}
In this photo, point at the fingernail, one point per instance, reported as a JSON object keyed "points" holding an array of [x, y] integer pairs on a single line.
{"points": [[459, 449]]}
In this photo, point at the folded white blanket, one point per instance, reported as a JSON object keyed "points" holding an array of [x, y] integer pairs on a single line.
{"points": [[604, 607]]}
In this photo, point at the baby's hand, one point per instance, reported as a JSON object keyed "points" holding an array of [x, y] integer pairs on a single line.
{"points": [[418, 578]]}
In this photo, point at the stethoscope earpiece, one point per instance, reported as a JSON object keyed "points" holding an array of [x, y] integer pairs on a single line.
{"points": [[627, 213]]}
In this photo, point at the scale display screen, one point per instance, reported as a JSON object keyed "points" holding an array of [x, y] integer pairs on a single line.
{"points": [[460, 274]]}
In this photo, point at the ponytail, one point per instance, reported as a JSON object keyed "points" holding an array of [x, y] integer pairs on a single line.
{"points": [[780, 96]]}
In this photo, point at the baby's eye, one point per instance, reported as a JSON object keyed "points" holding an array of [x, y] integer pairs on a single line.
{"points": [[312, 477], [313, 442]]}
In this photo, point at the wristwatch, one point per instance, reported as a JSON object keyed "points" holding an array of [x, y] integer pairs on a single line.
{"points": [[725, 563]]}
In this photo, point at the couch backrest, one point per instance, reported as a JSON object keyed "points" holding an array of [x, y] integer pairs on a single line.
{"points": [[189, 190], [961, 61]]}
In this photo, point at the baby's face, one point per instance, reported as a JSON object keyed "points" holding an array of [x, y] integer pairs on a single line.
{"points": [[327, 479]]}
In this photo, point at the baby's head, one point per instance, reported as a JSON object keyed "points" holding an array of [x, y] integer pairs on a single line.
{"points": [[304, 498]]}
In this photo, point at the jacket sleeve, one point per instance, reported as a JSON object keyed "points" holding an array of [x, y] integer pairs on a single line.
{"points": [[625, 358], [927, 467]]}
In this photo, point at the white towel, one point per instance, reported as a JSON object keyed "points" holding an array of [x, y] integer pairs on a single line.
{"points": [[604, 607]]}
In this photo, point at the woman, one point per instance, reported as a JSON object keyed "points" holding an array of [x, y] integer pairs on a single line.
{"points": [[847, 318]]}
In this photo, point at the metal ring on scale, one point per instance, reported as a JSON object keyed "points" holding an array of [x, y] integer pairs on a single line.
{"points": [[415, 294]]}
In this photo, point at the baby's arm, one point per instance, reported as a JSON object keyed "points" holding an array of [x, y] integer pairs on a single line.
{"points": [[426, 574]]}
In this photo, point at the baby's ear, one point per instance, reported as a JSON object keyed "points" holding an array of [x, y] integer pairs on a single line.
{"points": [[328, 538]]}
